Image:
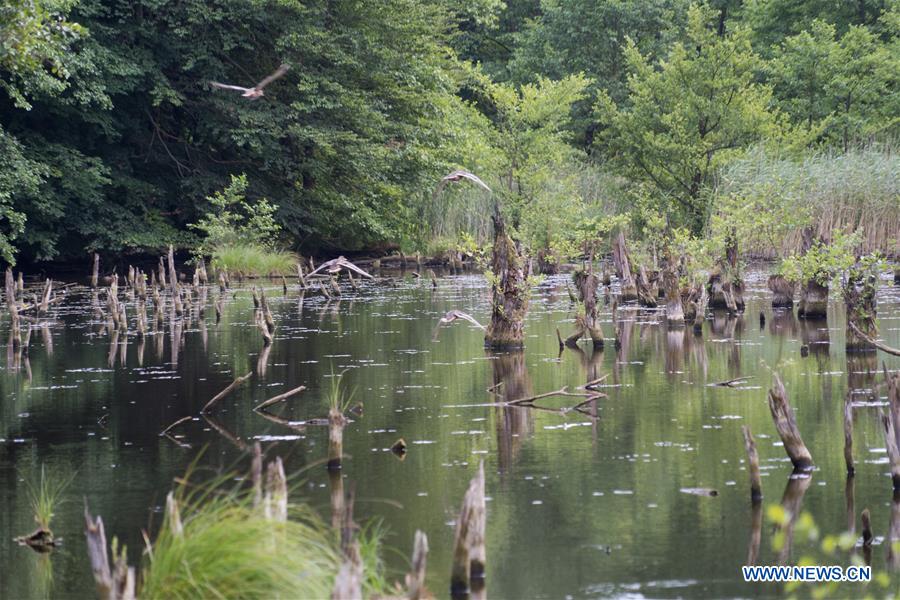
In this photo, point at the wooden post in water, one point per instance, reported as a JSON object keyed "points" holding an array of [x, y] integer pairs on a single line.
{"points": [[95, 272], [415, 579], [173, 275], [752, 465], [469, 547], [783, 417], [848, 435], [893, 452], [336, 422]]}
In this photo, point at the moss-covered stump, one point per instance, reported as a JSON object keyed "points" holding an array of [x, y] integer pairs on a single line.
{"points": [[547, 263], [859, 298], [509, 292], [813, 301], [782, 291]]}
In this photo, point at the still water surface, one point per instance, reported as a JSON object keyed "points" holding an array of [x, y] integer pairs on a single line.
{"points": [[577, 507]]}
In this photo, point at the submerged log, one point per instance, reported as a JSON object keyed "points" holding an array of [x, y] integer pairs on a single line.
{"points": [[509, 291], [469, 553], [752, 465], [782, 291], [783, 417]]}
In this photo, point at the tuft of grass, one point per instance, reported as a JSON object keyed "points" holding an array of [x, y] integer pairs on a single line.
{"points": [[227, 548], [251, 260], [338, 397], [45, 496]]}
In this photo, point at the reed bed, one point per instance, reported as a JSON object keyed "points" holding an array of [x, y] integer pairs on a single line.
{"points": [[859, 189]]}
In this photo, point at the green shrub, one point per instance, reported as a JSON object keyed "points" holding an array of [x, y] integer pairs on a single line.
{"points": [[252, 260]]}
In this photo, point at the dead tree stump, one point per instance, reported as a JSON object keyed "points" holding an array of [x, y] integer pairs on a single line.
{"points": [[783, 417], [782, 291], [509, 292], [859, 298], [623, 269]]}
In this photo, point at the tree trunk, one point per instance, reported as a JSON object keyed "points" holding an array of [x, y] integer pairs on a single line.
{"points": [[586, 283], [859, 296], [782, 291], [674, 307], [623, 269], [813, 301], [647, 291], [547, 264], [509, 292]]}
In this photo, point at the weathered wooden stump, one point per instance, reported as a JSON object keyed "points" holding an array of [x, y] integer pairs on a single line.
{"points": [[782, 291], [783, 417]]}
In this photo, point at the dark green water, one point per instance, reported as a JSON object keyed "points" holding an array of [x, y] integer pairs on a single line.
{"points": [[577, 507]]}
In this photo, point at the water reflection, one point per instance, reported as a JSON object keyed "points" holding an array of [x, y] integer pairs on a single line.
{"points": [[514, 424], [76, 400]]}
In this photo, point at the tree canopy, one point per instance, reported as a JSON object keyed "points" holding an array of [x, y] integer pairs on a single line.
{"points": [[114, 139]]}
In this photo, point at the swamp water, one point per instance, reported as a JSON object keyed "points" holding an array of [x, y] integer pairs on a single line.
{"points": [[577, 507]]}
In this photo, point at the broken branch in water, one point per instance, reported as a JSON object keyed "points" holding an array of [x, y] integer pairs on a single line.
{"points": [[592, 384], [563, 391], [279, 398], [469, 552], [225, 392], [176, 423], [783, 417], [869, 339], [731, 382], [752, 465]]}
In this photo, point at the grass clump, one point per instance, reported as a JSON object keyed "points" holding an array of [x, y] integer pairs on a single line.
{"points": [[252, 260], [219, 542], [45, 496], [229, 549]]}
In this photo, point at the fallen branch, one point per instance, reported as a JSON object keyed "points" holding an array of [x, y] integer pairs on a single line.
{"points": [[731, 382], [877, 344], [279, 398], [225, 392], [176, 423]]}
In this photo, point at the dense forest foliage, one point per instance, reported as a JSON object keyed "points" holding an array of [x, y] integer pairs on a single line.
{"points": [[665, 115]]}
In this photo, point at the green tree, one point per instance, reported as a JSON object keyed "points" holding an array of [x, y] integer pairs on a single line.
{"points": [[688, 117], [843, 89], [537, 184]]}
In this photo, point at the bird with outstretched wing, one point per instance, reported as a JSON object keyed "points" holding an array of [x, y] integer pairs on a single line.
{"points": [[452, 316], [255, 92], [459, 175]]}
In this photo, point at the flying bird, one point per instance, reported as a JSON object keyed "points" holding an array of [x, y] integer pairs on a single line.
{"points": [[451, 316], [336, 264], [457, 176], [256, 91]]}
